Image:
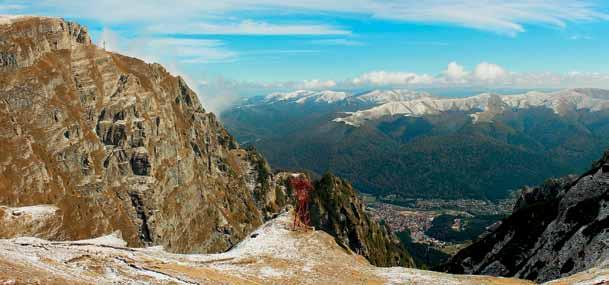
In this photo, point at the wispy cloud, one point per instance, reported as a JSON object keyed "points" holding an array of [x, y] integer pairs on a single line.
{"points": [[338, 42], [168, 50], [580, 37], [192, 50], [249, 27], [506, 17]]}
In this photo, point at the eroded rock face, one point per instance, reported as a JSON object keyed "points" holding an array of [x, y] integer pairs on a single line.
{"points": [[336, 209], [117, 144], [556, 230]]}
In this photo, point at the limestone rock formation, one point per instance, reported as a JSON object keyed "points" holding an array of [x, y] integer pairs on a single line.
{"points": [[116, 144], [556, 230], [336, 209], [106, 143]]}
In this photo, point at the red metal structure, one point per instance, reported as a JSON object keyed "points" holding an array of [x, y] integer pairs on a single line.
{"points": [[302, 188]]}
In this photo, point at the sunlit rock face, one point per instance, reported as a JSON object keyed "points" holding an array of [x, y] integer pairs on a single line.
{"points": [[95, 143], [115, 144]]}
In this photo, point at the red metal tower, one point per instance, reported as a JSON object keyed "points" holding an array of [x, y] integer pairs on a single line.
{"points": [[302, 188]]}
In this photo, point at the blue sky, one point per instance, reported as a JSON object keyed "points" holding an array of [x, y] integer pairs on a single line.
{"points": [[236, 47]]}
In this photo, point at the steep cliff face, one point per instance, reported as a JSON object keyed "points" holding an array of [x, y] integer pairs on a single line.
{"points": [[557, 229], [117, 144], [336, 209], [93, 142]]}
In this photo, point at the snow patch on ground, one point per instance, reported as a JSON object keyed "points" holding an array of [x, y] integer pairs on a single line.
{"points": [[271, 239], [113, 239], [35, 212]]}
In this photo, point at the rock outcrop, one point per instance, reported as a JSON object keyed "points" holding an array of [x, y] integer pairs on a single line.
{"points": [[116, 144], [556, 230], [338, 210], [106, 143]]}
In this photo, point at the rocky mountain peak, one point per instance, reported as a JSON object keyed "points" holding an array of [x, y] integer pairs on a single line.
{"points": [[115, 144], [27, 39], [106, 143]]}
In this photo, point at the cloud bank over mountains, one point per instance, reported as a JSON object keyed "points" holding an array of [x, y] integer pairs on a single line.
{"points": [[484, 74]]}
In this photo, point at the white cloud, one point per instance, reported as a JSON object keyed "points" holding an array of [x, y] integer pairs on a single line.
{"points": [[485, 71], [484, 74], [381, 78], [190, 50], [315, 84], [220, 93], [455, 73], [217, 93], [248, 27]]}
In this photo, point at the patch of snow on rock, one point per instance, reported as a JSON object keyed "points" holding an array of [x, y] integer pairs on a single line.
{"points": [[303, 96], [386, 96], [113, 239], [35, 212], [271, 239]]}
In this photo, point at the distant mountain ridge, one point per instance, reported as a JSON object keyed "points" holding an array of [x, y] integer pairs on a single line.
{"points": [[416, 145], [330, 97], [485, 106], [395, 102]]}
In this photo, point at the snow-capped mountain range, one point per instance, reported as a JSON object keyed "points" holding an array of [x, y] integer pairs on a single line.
{"points": [[404, 135], [561, 102], [381, 103], [329, 97]]}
